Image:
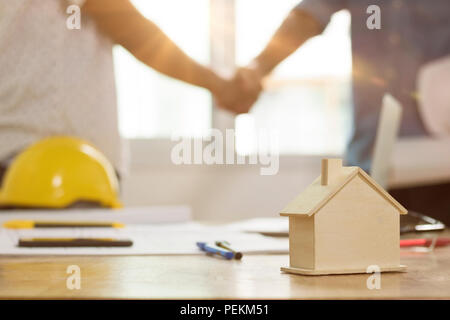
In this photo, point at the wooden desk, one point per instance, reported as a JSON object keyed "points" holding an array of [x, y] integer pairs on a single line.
{"points": [[187, 277]]}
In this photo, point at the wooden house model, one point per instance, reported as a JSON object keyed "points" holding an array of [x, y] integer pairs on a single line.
{"points": [[343, 222]]}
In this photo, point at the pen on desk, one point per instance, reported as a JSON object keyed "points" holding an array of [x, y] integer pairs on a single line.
{"points": [[73, 242], [210, 249], [226, 245], [31, 224], [439, 242]]}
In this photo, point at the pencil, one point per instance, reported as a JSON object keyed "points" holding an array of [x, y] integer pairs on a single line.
{"points": [[30, 224]]}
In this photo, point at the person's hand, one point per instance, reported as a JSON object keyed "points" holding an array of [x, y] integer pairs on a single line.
{"points": [[239, 93]]}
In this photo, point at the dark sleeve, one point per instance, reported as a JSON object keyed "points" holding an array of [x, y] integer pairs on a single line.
{"points": [[322, 10]]}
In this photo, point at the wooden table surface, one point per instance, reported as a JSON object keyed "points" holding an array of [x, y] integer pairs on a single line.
{"points": [[203, 277]]}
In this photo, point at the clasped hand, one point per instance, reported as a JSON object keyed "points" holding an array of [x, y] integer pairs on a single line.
{"points": [[239, 93]]}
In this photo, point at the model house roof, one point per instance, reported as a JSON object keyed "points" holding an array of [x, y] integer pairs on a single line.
{"points": [[334, 177]]}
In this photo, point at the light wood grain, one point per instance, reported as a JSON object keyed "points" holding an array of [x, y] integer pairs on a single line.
{"points": [[352, 233], [331, 168], [355, 224], [259, 276], [301, 242]]}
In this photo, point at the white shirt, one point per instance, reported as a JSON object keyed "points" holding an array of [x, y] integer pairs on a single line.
{"points": [[55, 81], [434, 104]]}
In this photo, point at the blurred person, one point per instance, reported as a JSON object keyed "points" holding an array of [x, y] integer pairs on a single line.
{"points": [[56, 81], [412, 33]]}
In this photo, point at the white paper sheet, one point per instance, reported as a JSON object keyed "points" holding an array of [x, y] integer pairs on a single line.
{"points": [[277, 226], [127, 215], [171, 239]]}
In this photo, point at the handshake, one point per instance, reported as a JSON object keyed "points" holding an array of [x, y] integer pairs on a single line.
{"points": [[239, 93]]}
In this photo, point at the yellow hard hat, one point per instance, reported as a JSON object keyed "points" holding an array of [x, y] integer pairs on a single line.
{"points": [[57, 172]]}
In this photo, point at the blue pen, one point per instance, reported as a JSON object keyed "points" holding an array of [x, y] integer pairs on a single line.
{"points": [[209, 249]]}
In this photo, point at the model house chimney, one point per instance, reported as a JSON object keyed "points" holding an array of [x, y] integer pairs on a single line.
{"points": [[330, 169]]}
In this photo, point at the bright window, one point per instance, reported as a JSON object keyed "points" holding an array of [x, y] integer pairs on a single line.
{"points": [[152, 105]]}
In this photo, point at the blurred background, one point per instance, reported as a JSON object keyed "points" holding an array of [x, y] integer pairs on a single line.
{"points": [[152, 107], [307, 102]]}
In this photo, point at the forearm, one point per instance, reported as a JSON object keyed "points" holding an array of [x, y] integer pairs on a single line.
{"points": [[163, 55], [298, 27], [123, 23]]}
